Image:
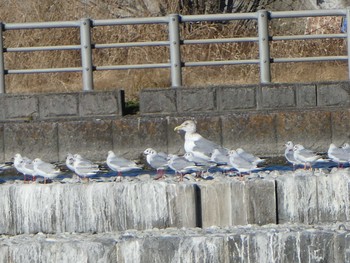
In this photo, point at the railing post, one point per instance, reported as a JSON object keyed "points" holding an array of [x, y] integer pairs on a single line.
{"points": [[86, 54], [264, 48], [348, 37], [2, 67], [175, 55]]}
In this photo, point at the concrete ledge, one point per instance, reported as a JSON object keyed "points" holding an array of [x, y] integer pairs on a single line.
{"points": [[287, 244], [223, 99], [238, 203], [296, 198], [262, 133], [95, 207], [62, 105]]}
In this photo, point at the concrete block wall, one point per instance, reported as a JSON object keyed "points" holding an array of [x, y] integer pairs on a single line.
{"points": [[258, 118], [292, 198], [262, 133], [223, 99], [61, 105]]}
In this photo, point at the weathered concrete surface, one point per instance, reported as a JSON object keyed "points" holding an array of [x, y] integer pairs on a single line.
{"points": [[238, 203], [258, 118], [62, 105], [285, 243], [32, 139], [313, 198], [220, 99], [300, 198], [91, 138], [262, 133], [95, 207]]}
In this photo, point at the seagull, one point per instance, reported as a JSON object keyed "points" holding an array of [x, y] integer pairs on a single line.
{"points": [[195, 143], [240, 164], [346, 148], [181, 165], [338, 155], [84, 168], [120, 164], [158, 161], [70, 162], [24, 165], [305, 156], [201, 163], [44, 169], [249, 157], [289, 154]]}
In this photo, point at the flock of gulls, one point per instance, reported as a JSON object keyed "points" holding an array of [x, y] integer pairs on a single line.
{"points": [[201, 155]]}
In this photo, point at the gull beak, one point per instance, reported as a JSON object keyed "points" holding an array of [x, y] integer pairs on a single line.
{"points": [[178, 128]]}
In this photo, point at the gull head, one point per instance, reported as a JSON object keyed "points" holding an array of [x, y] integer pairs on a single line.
{"points": [[37, 160], [298, 147], [346, 146], [149, 151], [289, 145], [187, 126], [111, 154]]}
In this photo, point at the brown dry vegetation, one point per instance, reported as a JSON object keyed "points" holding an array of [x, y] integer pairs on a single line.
{"points": [[132, 81]]}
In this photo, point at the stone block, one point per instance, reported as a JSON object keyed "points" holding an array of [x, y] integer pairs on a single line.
{"points": [[196, 100], [107, 103], [2, 108], [35, 139], [261, 202], [21, 107], [158, 101], [238, 203], [2, 152], [236, 97], [311, 128], [254, 132], [216, 205], [340, 122], [98, 207], [316, 245], [58, 105], [306, 95], [297, 198], [277, 96], [208, 126], [131, 136], [333, 94], [92, 138], [333, 197]]}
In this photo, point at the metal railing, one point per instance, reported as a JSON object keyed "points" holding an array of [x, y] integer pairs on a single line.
{"points": [[174, 43]]}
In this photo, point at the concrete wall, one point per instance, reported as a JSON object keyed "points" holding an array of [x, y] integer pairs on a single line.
{"points": [[298, 198], [287, 244], [258, 118], [224, 99]]}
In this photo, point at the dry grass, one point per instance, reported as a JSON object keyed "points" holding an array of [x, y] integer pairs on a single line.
{"points": [[132, 81]]}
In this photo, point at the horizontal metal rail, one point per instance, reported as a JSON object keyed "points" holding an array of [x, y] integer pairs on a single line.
{"points": [[175, 41], [43, 70], [137, 66], [132, 44]]}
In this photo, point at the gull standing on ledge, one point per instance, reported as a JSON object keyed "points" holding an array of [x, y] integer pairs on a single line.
{"points": [[120, 164], [24, 165], [289, 154], [195, 143], [338, 155], [44, 169], [305, 156], [158, 161], [240, 164], [84, 168]]}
